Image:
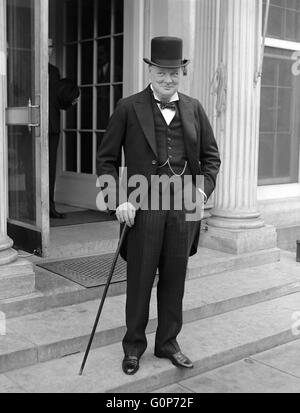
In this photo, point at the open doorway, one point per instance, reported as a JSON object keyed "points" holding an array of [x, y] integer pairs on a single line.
{"points": [[88, 37]]}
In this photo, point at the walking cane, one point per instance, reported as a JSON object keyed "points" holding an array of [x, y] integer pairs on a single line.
{"points": [[103, 298]]}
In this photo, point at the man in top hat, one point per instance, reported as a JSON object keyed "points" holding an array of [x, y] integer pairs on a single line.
{"points": [[163, 133]]}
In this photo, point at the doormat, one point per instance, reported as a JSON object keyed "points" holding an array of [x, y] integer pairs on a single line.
{"points": [[88, 271], [81, 217]]}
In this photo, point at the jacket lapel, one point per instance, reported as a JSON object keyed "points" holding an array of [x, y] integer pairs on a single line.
{"points": [[144, 112], [189, 130]]}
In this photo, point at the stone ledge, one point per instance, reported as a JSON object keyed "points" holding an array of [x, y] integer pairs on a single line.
{"points": [[232, 262], [282, 212], [16, 267], [240, 241], [17, 279]]}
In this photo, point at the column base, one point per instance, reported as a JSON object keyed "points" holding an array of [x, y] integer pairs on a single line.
{"points": [[7, 254], [235, 219], [239, 241]]}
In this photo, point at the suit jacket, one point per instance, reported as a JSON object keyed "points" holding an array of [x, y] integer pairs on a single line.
{"points": [[54, 111], [132, 127]]}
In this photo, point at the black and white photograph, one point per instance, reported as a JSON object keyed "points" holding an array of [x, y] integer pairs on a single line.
{"points": [[150, 199]]}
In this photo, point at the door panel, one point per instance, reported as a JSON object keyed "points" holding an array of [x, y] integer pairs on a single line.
{"points": [[21, 175], [27, 222], [92, 42]]}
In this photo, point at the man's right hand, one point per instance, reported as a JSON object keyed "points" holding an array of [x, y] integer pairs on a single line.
{"points": [[126, 213]]}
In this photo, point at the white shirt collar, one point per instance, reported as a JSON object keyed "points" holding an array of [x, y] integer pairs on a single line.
{"points": [[174, 98]]}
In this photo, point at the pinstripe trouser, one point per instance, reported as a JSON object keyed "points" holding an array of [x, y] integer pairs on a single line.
{"points": [[159, 239]]}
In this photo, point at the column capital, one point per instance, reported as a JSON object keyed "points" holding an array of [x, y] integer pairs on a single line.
{"points": [[7, 254]]}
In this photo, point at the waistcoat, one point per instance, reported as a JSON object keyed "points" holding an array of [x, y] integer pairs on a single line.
{"points": [[169, 140]]}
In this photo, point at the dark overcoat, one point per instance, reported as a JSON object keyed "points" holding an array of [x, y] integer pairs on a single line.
{"points": [[132, 127], [54, 109]]}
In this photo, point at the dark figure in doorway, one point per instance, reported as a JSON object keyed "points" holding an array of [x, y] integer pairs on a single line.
{"points": [[105, 78], [103, 64], [103, 91], [54, 131], [63, 93]]}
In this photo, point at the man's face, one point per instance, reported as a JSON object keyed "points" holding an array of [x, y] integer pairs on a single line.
{"points": [[165, 82]]}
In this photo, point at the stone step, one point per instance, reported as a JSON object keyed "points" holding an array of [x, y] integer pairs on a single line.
{"points": [[211, 343], [84, 239], [273, 371], [61, 331], [17, 279], [53, 291]]}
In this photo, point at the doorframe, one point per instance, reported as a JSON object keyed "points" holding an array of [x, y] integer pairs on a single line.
{"points": [[41, 11], [44, 125], [3, 128]]}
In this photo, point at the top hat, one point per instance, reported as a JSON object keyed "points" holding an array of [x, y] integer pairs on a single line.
{"points": [[67, 92], [166, 51]]}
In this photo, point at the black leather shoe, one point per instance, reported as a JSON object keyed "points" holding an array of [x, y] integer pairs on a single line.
{"points": [[178, 359], [130, 364], [56, 215]]}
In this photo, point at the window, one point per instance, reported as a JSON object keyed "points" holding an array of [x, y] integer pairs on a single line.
{"points": [[284, 20], [93, 56], [280, 97]]}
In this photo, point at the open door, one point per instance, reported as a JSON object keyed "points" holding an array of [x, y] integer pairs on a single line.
{"points": [[27, 124]]}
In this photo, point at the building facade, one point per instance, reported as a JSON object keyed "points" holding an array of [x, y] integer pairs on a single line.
{"points": [[251, 95]]}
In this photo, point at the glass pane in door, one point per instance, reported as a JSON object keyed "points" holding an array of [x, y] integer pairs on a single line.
{"points": [[20, 52], [21, 88], [21, 175]]}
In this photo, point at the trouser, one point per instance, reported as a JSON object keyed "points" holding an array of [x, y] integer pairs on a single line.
{"points": [[159, 239], [53, 145]]}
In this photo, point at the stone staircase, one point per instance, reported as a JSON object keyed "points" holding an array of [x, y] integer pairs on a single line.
{"points": [[232, 309]]}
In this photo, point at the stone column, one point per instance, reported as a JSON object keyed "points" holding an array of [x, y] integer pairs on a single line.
{"points": [[205, 61], [16, 275], [235, 224]]}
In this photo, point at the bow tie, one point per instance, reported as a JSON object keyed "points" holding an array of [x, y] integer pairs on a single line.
{"points": [[166, 105]]}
